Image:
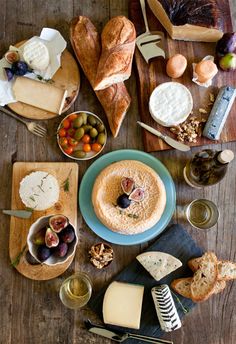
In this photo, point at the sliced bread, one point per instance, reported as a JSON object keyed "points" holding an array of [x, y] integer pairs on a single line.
{"points": [[219, 286], [182, 286], [205, 278], [226, 269]]}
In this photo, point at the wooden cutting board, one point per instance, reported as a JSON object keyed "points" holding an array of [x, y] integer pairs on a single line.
{"points": [[151, 75], [67, 77], [175, 241], [67, 205]]}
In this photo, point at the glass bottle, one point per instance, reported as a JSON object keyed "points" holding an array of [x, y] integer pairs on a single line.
{"points": [[207, 167]]}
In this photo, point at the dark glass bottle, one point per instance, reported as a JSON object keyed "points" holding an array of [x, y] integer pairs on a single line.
{"points": [[207, 167]]}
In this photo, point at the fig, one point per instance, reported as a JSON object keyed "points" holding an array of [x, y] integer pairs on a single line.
{"points": [[123, 201], [67, 235], [12, 56], [19, 68], [137, 195], [51, 238], [9, 73], [228, 62], [39, 238], [127, 185], [43, 253], [58, 223], [61, 250], [30, 259], [227, 44]]}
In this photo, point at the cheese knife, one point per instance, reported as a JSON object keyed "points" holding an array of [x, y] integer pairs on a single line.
{"points": [[171, 142], [24, 214], [120, 336]]}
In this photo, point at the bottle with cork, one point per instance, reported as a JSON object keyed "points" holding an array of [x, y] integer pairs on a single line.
{"points": [[207, 167]]}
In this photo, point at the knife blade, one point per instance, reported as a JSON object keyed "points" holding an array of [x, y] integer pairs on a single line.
{"points": [[171, 142], [119, 336], [24, 214]]}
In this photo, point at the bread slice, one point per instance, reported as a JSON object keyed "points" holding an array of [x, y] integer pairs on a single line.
{"points": [[182, 286], [205, 278], [226, 268], [158, 264]]}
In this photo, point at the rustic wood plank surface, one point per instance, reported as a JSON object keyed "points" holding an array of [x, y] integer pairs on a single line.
{"points": [[31, 311]]}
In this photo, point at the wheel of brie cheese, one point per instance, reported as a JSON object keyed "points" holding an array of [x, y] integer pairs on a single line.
{"points": [[138, 216], [36, 54], [170, 104]]}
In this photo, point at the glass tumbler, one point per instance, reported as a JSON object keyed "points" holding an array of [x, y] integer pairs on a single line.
{"points": [[76, 290]]}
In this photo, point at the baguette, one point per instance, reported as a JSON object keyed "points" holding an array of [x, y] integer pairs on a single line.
{"points": [[86, 44], [226, 269], [118, 44], [205, 278]]}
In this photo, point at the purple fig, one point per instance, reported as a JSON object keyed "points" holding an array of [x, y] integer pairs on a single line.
{"points": [[43, 253], [227, 44], [123, 201], [67, 235], [61, 250], [51, 238], [228, 62], [58, 223], [137, 195], [9, 73], [127, 185]]}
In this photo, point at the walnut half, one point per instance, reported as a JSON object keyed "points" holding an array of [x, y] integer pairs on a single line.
{"points": [[101, 255]]}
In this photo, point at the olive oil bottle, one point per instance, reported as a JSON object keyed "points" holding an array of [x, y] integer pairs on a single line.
{"points": [[207, 167]]}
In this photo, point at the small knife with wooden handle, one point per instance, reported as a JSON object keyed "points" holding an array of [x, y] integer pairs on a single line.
{"points": [[171, 142]]}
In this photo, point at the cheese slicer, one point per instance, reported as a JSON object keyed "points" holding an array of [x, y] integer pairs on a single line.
{"points": [[150, 43], [120, 336]]}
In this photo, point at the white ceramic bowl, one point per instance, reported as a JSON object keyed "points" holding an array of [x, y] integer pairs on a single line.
{"points": [[52, 260]]}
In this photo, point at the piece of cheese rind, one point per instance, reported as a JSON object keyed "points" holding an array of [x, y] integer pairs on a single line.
{"points": [[39, 94], [165, 307], [122, 305], [158, 264]]}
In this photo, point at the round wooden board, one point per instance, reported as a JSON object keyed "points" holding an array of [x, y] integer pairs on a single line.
{"points": [[67, 77]]}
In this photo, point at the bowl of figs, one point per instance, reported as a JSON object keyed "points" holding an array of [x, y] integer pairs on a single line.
{"points": [[52, 239]]}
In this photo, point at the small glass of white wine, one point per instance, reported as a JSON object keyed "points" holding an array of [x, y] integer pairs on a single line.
{"points": [[202, 213], [76, 290]]}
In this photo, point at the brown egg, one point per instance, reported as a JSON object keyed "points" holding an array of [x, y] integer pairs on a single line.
{"points": [[176, 66], [205, 70]]}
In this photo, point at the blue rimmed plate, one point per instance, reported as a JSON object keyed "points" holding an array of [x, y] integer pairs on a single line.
{"points": [[85, 199]]}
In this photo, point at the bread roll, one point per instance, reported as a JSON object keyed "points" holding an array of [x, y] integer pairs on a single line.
{"points": [[118, 44], [86, 44]]}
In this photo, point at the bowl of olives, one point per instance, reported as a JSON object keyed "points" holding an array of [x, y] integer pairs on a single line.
{"points": [[52, 239], [81, 135]]}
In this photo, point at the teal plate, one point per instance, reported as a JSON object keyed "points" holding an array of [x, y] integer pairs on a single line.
{"points": [[85, 199]]}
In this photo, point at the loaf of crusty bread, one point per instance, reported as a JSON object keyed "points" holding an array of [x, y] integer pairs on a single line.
{"points": [[86, 44], [118, 44]]}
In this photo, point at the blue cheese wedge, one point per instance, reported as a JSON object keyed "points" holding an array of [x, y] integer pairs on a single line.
{"points": [[165, 307], [36, 54], [39, 190], [158, 264], [219, 112]]}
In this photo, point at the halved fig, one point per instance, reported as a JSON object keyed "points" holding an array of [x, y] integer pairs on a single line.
{"points": [[137, 195], [51, 238], [12, 56], [127, 185], [58, 223]]}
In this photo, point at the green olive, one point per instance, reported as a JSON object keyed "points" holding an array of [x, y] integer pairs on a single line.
{"points": [[92, 120], [78, 122], [93, 132], [87, 127], [79, 154], [79, 134], [100, 127], [101, 138], [85, 117]]}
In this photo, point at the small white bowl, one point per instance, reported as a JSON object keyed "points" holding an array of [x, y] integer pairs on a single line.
{"points": [[52, 260]]}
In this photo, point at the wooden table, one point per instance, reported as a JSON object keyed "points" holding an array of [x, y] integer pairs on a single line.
{"points": [[31, 311]]}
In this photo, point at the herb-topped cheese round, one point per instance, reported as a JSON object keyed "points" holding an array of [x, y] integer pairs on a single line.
{"points": [[128, 197], [170, 104], [39, 190]]}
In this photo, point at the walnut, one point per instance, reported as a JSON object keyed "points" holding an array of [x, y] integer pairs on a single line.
{"points": [[189, 130], [101, 255]]}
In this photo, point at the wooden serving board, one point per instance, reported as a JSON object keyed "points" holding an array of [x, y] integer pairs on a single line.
{"points": [[175, 241], [67, 205], [67, 77], [151, 75]]}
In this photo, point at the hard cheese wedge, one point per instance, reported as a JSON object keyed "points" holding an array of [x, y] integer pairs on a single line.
{"points": [[41, 95], [122, 304], [158, 264]]}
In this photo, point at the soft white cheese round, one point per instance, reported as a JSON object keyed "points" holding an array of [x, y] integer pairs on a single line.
{"points": [[39, 190], [36, 54], [170, 104]]}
